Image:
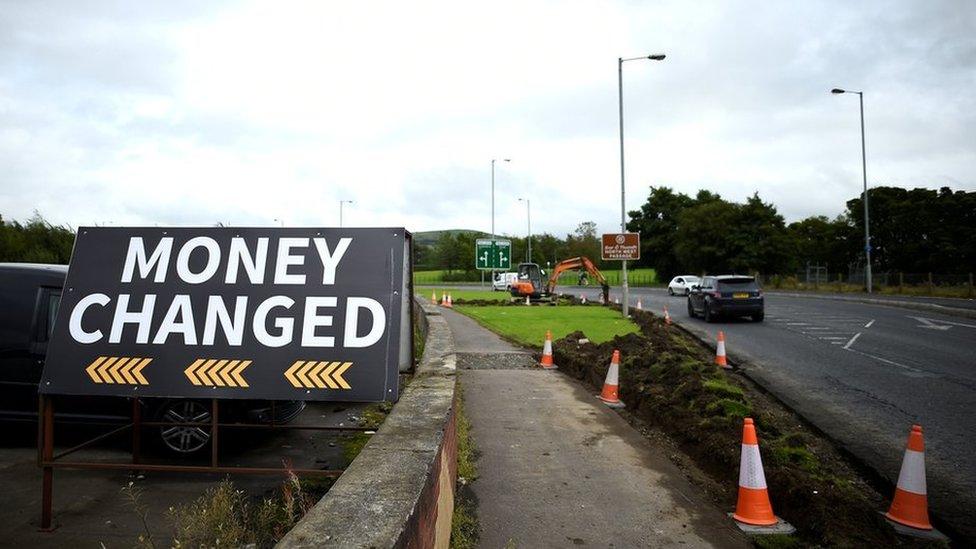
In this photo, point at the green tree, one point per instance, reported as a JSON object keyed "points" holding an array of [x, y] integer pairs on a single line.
{"points": [[657, 221]]}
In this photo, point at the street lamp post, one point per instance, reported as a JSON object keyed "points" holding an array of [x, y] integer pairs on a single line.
{"points": [[528, 215], [864, 173], [341, 202], [623, 205], [493, 206]]}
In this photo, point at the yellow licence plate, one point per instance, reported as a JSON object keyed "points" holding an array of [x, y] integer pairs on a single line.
{"points": [[742, 295]]}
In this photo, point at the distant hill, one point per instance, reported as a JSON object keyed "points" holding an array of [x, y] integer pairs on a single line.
{"points": [[429, 238]]}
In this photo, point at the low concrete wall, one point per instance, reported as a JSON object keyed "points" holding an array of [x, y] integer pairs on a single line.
{"points": [[399, 491]]}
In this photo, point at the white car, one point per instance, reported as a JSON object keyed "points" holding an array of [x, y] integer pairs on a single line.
{"points": [[503, 281], [680, 285]]}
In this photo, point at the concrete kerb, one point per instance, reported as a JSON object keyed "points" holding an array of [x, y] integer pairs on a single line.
{"points": [[915, 305], [399, 491]]}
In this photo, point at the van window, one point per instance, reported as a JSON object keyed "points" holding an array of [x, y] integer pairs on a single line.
{"points": [[53, 302]]}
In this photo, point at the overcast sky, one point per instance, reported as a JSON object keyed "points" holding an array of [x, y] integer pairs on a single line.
{"points": [[124, 113]]}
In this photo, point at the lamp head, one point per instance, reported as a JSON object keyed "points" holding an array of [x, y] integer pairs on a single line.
{"points": [[837, 90], [656, 57]]}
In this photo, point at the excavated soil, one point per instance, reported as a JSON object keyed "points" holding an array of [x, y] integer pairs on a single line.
{"points": [[669, 381]]}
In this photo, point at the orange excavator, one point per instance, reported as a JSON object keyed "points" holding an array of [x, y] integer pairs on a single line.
{"points": [[529, 281]]}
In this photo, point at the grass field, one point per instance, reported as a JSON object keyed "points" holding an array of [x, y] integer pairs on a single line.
{"points": [[468, 295], [528, 325]]}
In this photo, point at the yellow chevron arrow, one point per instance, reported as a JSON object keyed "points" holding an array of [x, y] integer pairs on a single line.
{"points": [[189, 371], [115, 370], [290, 373], [318, 375], [217, 372], [337, 375], [137, 373], [90, 370], [237, 373]]}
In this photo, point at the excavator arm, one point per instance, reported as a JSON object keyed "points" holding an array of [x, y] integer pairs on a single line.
{"points": [[576, 264]]}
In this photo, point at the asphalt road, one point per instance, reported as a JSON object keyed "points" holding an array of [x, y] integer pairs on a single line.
{"points": [[863, 374]]}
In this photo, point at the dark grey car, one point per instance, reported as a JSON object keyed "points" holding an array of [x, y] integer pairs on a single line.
{"points": [[728, 296]]}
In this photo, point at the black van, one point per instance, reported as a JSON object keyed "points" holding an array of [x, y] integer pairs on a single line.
{"points": [[29, 299], [726, 295]]}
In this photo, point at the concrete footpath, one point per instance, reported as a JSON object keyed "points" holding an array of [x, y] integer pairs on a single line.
{"points": [[557, 468]]}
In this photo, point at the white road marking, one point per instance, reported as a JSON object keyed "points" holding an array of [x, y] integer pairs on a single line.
{"points": [[926, 323], [931, 320], [893, 363], [868, 325], [832, 337], [851, 342]]}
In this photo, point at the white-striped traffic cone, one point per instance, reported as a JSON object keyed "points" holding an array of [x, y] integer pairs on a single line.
{"points": [[546, 362], [720, 359], [583, 300], [527, 302], [444, 299], [611, 384], [433, 297], [910, 505], [640, 306], [450, 302], [667, 316], [753, 506]]}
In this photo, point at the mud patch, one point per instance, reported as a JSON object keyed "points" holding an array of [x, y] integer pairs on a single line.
{"points": [[669, 382], [495, 361]]}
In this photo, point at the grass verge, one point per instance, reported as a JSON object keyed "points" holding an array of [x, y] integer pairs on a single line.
{"points": [[528, 325], [669, 382], [464, 524], [465, 295]]}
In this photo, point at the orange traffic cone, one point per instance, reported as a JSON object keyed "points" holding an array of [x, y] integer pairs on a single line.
{"points": [[910, 504], [640, 306], [433, 297], [753, 506], [583, 300], [667, 319], [546, 361], [611, 383], [720, 351], [527, 302], [450, 302]]}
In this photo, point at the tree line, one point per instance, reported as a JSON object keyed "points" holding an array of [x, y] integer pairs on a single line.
{"points": [[913, 231], [35, 241]]}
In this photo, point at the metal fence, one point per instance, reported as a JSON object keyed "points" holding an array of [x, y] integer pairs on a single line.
{"points": [[853, 280]]}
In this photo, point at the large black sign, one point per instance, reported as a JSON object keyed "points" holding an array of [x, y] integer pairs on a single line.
{"points": [[309, 314]]}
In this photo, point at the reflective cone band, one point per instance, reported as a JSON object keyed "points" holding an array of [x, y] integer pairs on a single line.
{"points": [[611, 384], [547, 353], [753, 505], [720, 351], [910, 504]]}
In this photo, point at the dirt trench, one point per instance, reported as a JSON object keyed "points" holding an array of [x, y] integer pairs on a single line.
{"points": [[670, 382]]}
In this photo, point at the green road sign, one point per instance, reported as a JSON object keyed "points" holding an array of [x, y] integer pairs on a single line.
{"points": [[493, 255]]}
